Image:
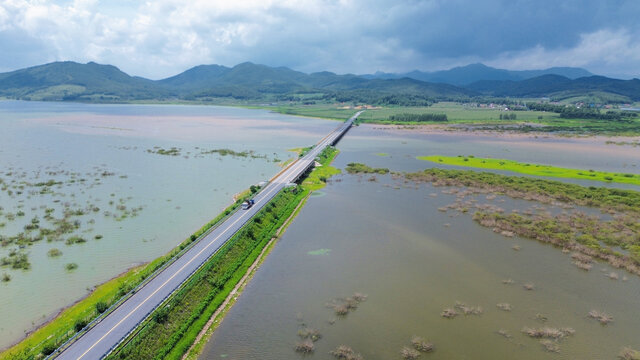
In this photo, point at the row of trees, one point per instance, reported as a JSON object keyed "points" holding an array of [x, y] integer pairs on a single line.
{"points": [[511, 116], [572, 112], [378, 98]]}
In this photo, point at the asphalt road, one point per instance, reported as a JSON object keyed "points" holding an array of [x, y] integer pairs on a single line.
{"points": [[111, 330]]}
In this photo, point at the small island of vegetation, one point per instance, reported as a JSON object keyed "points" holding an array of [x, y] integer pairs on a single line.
{"points": [[533, 169]]}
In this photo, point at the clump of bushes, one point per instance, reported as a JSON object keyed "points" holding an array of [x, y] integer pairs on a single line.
{"points": [[101, 307], [305, 347], [421, 344], [342, 306], [602, 317], [409, 353], [548, 332], [628, 353], [468, 310], [75, 240], [309, 333], [344, 352], [54, 252], [359, 168]]}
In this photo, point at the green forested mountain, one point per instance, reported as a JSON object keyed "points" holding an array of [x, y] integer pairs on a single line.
{"points": [[72, 81], [560, 87], [465, 75], [247, 81]]}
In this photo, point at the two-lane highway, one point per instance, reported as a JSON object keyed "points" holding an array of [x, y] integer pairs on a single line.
{"points": [[113, 328]]}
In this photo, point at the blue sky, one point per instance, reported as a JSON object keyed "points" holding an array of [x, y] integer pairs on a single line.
{"points": [[161, 38]]}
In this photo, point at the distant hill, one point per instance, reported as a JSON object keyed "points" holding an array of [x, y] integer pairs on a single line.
{"points": [[465, 75], [560, 87], [195, 78], [69, 81]]}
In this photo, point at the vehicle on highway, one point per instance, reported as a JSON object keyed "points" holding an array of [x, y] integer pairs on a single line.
{"points": [[247, 204]]}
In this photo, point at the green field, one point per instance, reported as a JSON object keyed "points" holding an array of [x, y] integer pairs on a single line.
{"points": [[456, 113], [533, 169], [465, 114]]}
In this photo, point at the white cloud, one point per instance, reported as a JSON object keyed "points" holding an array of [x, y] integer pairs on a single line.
{"points": [[163, 37], [615, 52]]}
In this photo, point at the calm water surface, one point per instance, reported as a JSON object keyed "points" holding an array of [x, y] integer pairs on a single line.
{"points": [[386, 239], [176, 194]]}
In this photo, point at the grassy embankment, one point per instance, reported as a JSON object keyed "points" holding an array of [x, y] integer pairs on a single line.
{"points": [[46, 338], [615, 241], [477, 118], [533, 169], [171, 330]]}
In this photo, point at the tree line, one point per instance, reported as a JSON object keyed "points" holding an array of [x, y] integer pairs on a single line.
{"points": [[572, 112], [418, 117]]}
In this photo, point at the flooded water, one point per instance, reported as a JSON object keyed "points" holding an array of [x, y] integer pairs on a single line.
{"points": [[387, 239], [101, 161]]}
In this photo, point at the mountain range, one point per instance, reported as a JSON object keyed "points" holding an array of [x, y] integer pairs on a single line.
{"points": [[465, 75], [247, 81]]}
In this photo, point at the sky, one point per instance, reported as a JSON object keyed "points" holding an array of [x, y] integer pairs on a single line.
{"points": [[161, 38]]}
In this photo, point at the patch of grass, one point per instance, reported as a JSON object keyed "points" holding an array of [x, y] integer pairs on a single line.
{"points": [[317, 179], [174, 151], [319, 252], [533, 169], [54, 252]]}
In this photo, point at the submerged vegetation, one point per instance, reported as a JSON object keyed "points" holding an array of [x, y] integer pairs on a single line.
{"points": [[64, 219], [629, 354], [343, 352], [582, 233], [533, 169], [47, 338], [200, 152], [358, 168]]}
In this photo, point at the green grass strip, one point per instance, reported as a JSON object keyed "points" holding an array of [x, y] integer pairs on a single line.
{"points": [[533, 169]]}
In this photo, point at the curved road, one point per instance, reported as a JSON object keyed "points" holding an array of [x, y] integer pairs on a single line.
{"points": [[112, 329]]}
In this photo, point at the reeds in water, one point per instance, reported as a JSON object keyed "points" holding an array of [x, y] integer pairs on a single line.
{"points": [[602, 317], [409, 353], [345, 353], [421, 344]]}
